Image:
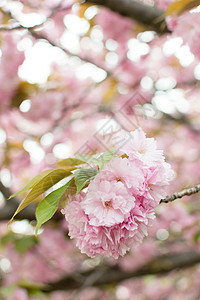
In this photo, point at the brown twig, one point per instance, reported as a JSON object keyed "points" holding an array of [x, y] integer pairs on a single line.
{"points": [[41, 36], [150, 16], [181, 194]]}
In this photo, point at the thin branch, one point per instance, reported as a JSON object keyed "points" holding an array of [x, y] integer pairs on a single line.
{"points": [[7, 211], [18, 26], [84, 59], [29, 213], [9, 28], [186, 192], [182, 119], [151, 17], [41, 36]]}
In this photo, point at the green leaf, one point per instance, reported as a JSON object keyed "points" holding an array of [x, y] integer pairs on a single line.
{"points": [[82, 176], [98, 161], [197, 237], [30, 285], [32, 182], [71, 190], [40, 187], [105, 157], [9, 237], [23, 244], [36, 293], [87, 158], [70, 162], [7, 291], [47, 207]]}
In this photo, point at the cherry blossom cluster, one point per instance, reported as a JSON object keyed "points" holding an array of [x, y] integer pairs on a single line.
{"points": [[118, 207]]}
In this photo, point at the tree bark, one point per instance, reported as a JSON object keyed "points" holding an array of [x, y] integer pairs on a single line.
{"points": [[7, 211], [150, 16]]}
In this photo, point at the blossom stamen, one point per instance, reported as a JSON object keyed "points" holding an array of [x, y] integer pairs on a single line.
{"points": [[108, 204], [118, 179], [142, 151]]}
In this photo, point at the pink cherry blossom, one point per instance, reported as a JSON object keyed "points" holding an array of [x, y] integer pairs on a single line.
{"points": [[108, 203], [108, 241], [109, 199], [138, 147], [186, 26], [125, 171], [118, 207], [157, 179], [163, 4], [158, 91], [19, 294]]}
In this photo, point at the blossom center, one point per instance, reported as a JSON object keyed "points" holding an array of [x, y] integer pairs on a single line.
{"points": [[150, 186], [142, 151], [108, 204], [118, 178]]}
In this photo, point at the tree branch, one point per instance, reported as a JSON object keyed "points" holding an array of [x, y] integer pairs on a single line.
{"points": [[186, 192], [29, 212], [112, 275], [54, 11], [37, 35], [181, 119], [41, 36], [149, 16], [7, 211]]}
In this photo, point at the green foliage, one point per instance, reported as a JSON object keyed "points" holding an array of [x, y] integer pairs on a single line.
{"points": [[32, 182], [24, 243], [21, 243], [71, 190], [45, 180], [106, 157], [197, 237], [33, 288], [89, 159], [6, 291], [5, 239], [36, 293], [70, 162], [98, 161], [41, 186], [47, 207], [82, 176]]}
